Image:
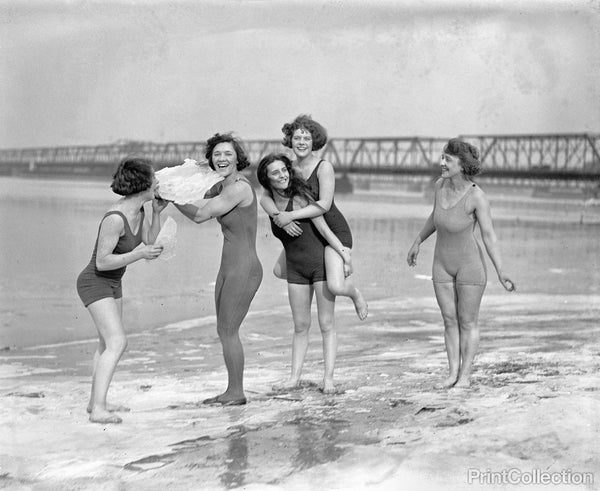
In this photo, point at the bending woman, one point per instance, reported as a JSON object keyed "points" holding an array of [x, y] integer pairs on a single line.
{"points": [[459, 272], [240, 273], [304, 136], [122, 229], [305, 265]]}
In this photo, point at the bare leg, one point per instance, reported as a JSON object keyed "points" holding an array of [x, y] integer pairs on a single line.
{"points": [[233, 300], [107, 316], [340, 285], [300, 297], [280, 268], [233, 353], [445, 294], [101, 347], [469, 301], [325, 307]]}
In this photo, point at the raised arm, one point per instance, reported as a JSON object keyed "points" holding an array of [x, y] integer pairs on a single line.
{"points": [[484, 218], [326, 176], [230, 197], [151, 229], [110, 230]]}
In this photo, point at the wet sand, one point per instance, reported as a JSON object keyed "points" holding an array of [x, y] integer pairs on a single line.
{"points": [[534, 404]]}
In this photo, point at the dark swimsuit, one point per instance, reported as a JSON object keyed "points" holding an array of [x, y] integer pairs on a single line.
{"points": [[240, 273], [334, 218], [92, 284], [458, 257], [305, 254]]}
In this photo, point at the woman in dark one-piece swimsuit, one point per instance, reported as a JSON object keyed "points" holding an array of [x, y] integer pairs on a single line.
{"points": [[459, 273], [306, 136], [240, 273], [122, 229], [306, 272]]}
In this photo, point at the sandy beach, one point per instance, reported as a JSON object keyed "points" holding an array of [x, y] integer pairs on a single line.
{"points": [[534, 404], [532, 411]]}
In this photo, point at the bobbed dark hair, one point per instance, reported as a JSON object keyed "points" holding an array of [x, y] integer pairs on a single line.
{"points": [[296, 187], [305, 122], [133, 175], [468, 155], [213, 141]]}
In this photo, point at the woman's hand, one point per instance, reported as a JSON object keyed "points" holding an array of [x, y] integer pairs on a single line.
{"points": [[508, 284], [282, 219], [411, 259], [159, 204], [347, 257], [293, 229], [151, 251]]}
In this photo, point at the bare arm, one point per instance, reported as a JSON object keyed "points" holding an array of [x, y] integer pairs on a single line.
{"points": [[427, 230], [332, 239], [326, 176], [151, 229], [108, 237], [230, 197], [484, 218], [268, 205]]}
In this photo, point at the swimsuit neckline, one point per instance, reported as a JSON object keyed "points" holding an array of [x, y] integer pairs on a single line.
{"points": [[461, 198]]}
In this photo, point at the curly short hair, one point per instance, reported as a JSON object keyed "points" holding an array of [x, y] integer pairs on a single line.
{"points": [[468, 155], [133, 175], [212, 142], [297, 186], [305, 122]]}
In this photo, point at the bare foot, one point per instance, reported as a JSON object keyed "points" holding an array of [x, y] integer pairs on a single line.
{"points": [[328, 387], [462, 384], [113, 408], [226, 399], [446, 383], [361, 306], [104, 417], [288, 384]]}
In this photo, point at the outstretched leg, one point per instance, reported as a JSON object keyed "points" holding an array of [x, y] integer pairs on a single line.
{"points": [[469, 301], [107, 317], [300, 297], [341, 285], [445, 294], [325, 308]]}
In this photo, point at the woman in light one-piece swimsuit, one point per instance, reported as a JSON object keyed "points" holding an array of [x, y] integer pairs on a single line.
{"points": [[459, 273]]}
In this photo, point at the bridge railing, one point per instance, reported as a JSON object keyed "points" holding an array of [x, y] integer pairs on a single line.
{"points": [[569, 156]]}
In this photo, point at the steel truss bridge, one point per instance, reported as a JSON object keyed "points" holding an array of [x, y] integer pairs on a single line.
{"points": [[558, 157]]}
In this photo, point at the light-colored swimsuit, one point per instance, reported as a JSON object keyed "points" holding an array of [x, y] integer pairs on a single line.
{"points": [[458, 257]]}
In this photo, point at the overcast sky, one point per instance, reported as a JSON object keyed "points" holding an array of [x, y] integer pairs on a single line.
{"points": [[90, 72]]}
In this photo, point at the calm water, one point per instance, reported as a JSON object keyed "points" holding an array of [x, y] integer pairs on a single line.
{"points": [[48, 229]]}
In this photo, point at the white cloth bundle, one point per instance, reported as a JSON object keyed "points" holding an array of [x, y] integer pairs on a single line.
{"points": [[167, 237], [186, 183]]}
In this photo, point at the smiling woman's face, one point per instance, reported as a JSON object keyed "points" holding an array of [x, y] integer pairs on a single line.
{"points": [[279, 177], [224, 158]]}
